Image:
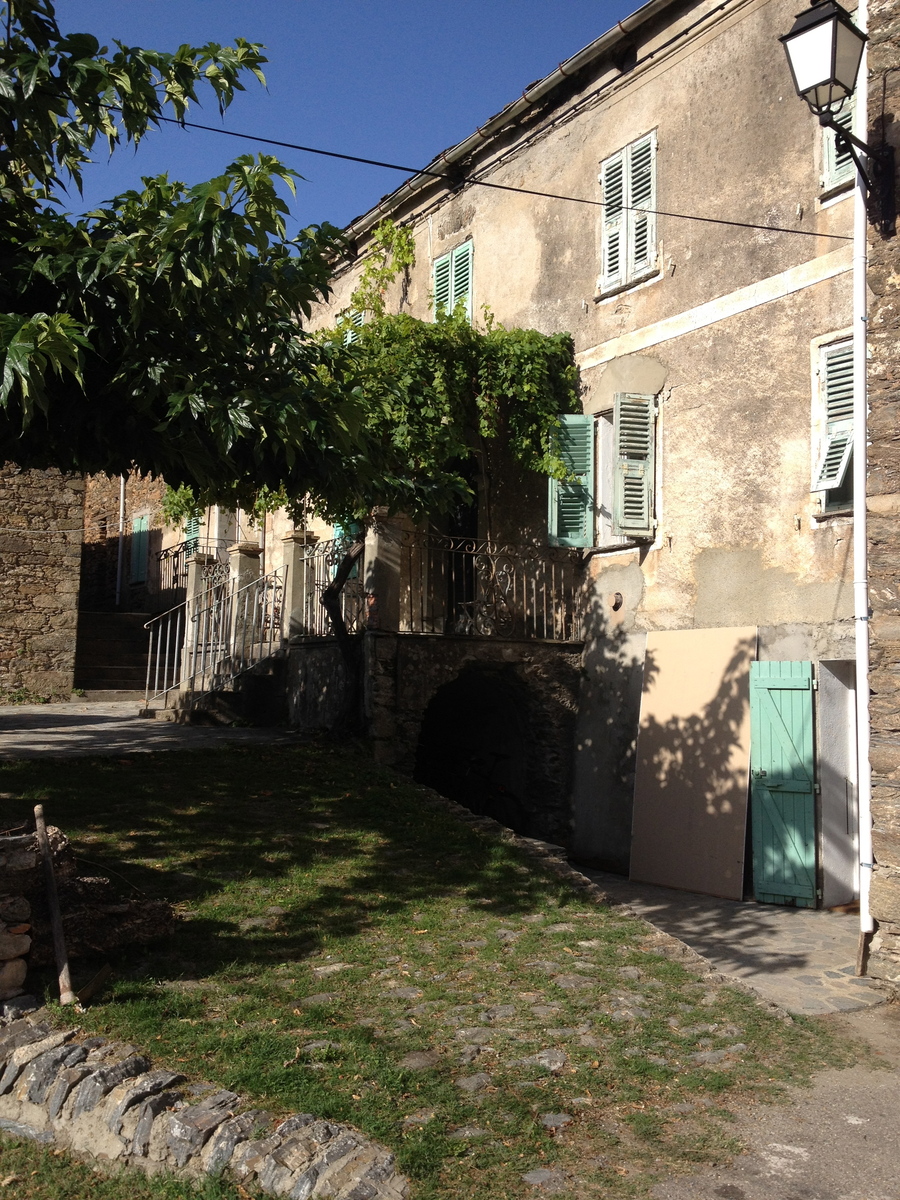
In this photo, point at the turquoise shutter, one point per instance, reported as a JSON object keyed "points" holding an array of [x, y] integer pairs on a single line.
{"points": [[613, 251], [635, 437], [836, 372], [641, 160], [571, 502], [782, 795], [442, 285], [140, 533], [462, 278], [839, 165]]}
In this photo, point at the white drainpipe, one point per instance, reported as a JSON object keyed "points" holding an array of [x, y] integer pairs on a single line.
{"points": [[860, 547]]}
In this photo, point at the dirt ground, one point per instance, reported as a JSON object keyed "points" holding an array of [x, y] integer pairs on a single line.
{"points": [[836, 1140]]}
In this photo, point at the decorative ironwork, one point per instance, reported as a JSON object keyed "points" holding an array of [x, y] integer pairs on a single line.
{"points": [[172, 563], [318, 567], [471, 587]]}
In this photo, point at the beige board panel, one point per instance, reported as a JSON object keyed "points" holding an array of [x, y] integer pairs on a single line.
{"points": [[693, 761]]}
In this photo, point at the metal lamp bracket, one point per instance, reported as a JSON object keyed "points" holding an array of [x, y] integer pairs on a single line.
{"points": [[877, 170]]}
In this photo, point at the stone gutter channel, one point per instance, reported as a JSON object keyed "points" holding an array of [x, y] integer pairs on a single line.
{"points": [[103, 1099]]}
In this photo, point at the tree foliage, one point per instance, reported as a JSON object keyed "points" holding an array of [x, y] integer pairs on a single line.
{"points": [[163, 330]]}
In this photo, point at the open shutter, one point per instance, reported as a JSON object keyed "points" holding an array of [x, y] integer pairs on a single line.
{"points": [[192, 534], [613, 249], [442, 285], [140, 533], [462, 278], [354, 320], [839, 166], [641, 165], [837, 389], [635, 436], [571, 516]]}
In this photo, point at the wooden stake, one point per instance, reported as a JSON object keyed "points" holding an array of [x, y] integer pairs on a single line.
{"points": [[66, 995]]}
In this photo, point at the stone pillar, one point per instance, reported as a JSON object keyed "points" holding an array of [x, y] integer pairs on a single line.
{"points": [[198, 589], [301, 599], [244, 559], [884, 511], [383, 556]]}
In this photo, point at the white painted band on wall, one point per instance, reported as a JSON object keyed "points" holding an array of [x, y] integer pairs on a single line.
{"points": [[817, 270]]}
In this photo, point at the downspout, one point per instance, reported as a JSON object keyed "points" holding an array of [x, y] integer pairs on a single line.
{"points": [[120, 550], [860, 545]]}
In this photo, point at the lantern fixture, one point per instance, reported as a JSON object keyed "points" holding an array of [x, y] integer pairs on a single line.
{"points": [[824, 49]]}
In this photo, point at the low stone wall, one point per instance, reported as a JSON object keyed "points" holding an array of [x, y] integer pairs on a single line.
{"points": [[40, 549], [318, 688], [105, 1100]]}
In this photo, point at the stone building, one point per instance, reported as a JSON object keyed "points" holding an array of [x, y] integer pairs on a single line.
{"points": [[665, 198], [40, 545], [883, 509]]}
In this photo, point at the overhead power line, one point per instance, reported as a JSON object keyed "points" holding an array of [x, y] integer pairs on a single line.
{"points": [[459, 180]]}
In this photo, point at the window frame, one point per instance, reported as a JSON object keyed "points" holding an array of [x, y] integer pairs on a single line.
{"points": [[837, 176], [619, 468], [463, 253], [623, 226]]}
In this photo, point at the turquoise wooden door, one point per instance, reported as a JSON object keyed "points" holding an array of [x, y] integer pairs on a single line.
{"points": [[782, 784]]}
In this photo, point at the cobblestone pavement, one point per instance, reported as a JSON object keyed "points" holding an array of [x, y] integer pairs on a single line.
{"points": [[60, 730], [799, 958]]}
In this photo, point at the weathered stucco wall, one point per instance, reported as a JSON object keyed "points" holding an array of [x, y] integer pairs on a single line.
{"points": [[884, 510], [40, 546], [726, 333]]}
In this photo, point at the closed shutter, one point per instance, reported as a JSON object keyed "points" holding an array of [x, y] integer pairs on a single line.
{"points": [[462, 278], [571, 515], [442, 285], [836, 375], [641, 196], [192, 534], [635, 437], [140, 534], [613, 249]]}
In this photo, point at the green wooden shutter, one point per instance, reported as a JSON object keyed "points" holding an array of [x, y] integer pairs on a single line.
{"points": [[140, 534], [635, 439], [782, 795], [613, 249], [836, 376], [641, 161], [442, 285], [461, 282], [571, 502], [839, 167]]}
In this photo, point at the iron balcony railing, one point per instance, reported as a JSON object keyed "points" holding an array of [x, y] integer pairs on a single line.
{"points": [[202, 645], [464, 586], [172, 570], [318, 567]]}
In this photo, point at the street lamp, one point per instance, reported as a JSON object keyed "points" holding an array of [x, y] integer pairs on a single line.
{"points": [[824, 49]]}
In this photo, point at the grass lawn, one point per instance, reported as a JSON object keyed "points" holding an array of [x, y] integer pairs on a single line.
{"points": [[348, 948]]}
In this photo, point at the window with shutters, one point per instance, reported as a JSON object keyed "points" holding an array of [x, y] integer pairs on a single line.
{"points": [[140, 535], [838, 170], [609, 499], [628, 252], [452, 281], [833, 474], [352, 321]]}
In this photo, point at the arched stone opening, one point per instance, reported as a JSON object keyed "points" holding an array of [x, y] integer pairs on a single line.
{"points": [[474, 745]]}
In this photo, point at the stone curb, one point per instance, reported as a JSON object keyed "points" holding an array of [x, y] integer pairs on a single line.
{"points": [[101, 1099], [554, 859]]}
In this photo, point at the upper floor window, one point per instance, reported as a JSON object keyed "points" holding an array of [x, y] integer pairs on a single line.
{"points": [[352, 320], [628, 182], [833, 472], [453, 280], [838, 169], [611, 457]]}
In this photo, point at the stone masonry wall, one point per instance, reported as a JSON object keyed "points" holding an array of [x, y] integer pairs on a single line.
{"points": [[143, 497], [40, 548], [884, 509], [403, 673]]}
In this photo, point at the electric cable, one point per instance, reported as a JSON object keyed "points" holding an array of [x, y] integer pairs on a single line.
{"points": [[459, 180]]}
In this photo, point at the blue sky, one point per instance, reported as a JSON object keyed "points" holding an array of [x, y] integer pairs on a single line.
{"points": [[397, 80]]}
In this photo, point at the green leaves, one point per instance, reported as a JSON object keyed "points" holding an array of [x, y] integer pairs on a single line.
{"points": [[32, 347]]}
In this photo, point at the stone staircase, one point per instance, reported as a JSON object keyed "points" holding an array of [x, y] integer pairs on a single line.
{"points": [[111, 655]]}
